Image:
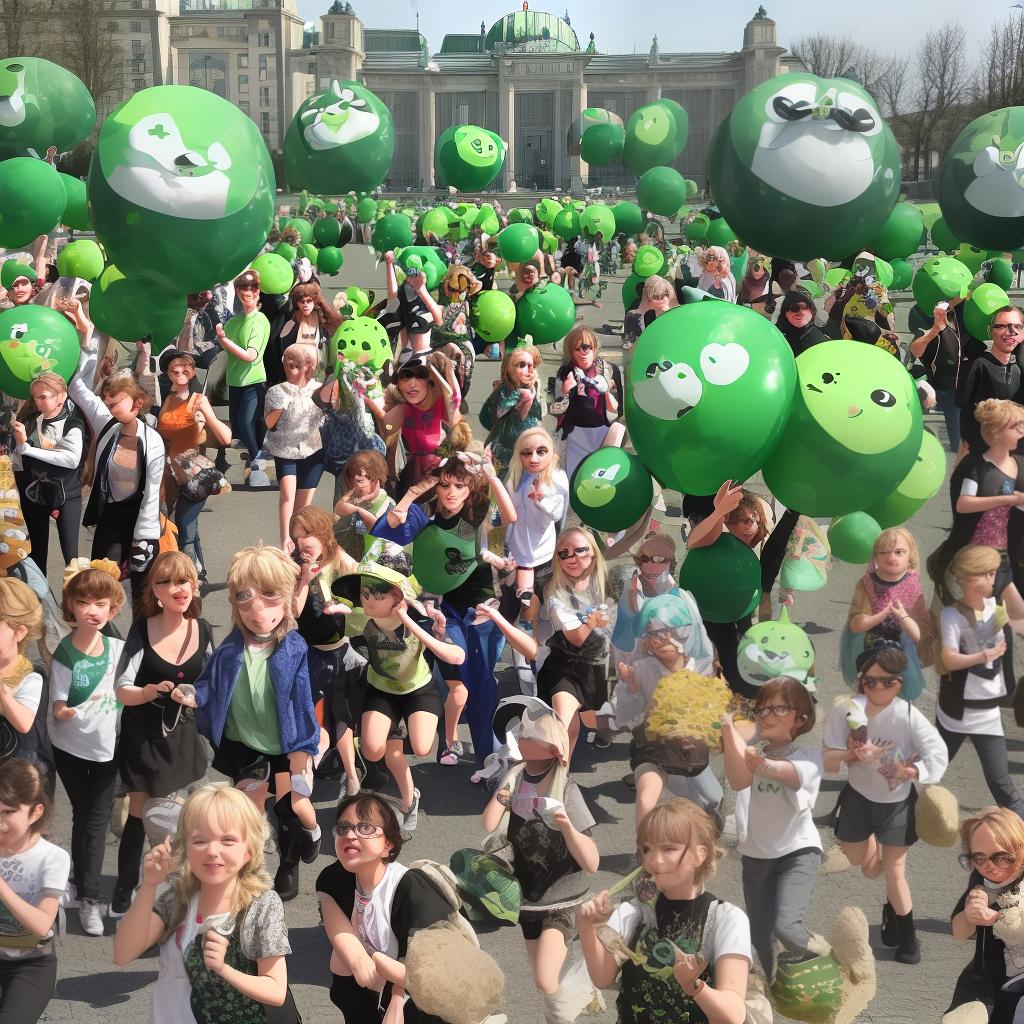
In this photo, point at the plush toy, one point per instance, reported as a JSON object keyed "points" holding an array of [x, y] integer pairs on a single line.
{"points": [[14, 542], [937, 816]]}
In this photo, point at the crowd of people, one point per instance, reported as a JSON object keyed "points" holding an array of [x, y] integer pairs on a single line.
{"points": [[373, 629]]}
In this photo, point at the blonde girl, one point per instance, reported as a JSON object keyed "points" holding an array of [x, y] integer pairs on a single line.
{"points": [[677, 847], [514, 405], [21, 688], [658, 297], [219, 925], [716, 274]]}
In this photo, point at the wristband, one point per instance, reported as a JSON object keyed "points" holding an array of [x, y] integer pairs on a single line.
{"points": [[698, 986]]}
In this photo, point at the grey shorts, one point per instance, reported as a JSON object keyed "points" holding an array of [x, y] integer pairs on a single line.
{"points": [[533, 922], [856, 818]]}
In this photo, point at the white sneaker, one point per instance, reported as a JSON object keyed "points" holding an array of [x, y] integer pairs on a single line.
{"points": [[411, 816], [70, 901], [258, 478], [91, 917]]}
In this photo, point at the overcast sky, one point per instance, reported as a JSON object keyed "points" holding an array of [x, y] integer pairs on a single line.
{"points": [[681, 25]]}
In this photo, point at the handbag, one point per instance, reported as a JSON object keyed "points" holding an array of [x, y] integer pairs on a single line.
{"points": [[759, 1008], [196, 476]]}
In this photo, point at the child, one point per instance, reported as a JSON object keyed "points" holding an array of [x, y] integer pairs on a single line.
{"points": [[888, 606], [668, 935], [21, 687], [293, 434], [989, 988], [82, 723], [220, 927], [410, 309], [512, 407], [255, 702], [781, 850], [887, 745], [548, 827], [362, 480], [716, 274], [33, 877], [400, 682]]}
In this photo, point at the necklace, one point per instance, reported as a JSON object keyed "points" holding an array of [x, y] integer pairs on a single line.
{"points": [[19, 669], [260, 638]]}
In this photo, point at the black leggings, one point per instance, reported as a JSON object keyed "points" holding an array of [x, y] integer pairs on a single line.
{"points": [[26, 987], [37, 522], [90, 789], [991, 751], [114, 537]]}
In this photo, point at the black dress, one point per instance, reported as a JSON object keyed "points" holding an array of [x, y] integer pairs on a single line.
{"points": [[160, 749]]}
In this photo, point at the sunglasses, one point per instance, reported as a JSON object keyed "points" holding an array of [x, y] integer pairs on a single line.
{"points": [[799, 308], [585, 347], [363, 829], [979, 860], [778, 710], [653, 559], [1009, 328], [884, 681], [246, 288], [568, 553], [415, 372], [523, 366]]}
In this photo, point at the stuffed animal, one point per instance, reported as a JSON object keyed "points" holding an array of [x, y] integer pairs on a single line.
{"points": [[937, 815], [14, 542]]}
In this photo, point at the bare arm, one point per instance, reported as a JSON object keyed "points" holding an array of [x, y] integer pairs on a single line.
{"points": [[447, 652], [736, 770], [35, 918], [140, 928], [968, 503], [20, 716], [506, 509], [271, 418], [221, 431]]}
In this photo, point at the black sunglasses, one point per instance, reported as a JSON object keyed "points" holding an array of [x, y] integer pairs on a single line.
{"points": [[414, 372], [567, 553]]}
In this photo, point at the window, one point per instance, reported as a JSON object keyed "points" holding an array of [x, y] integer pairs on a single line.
{"points": [[112, 27], [243, 106], [264, 40], [243, 83], [136, 48], [265, 122], [263, 69], [330, 31], [136, 5], [243, 60], [220, 31], [138, 83], [135, 26], [312, 67], [264, 96]]}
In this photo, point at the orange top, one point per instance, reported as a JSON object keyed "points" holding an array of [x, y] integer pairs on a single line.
{"points": [[177, 424]]}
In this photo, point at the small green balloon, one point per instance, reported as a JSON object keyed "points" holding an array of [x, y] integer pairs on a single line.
{"points": [[602, 144], [942, 238], [358, 299], [129, 311], [546, 312], [724, 579], [361, 340], [548, 243], [971, 256], [547, 210], [655, 135], [697, 229], [1001, 273], [366, 210], [940, 279], [611, 490], [598, 219], [309, 251], [76, 206], [493, 315], [692, 188], [900, 234], [661, 190], [719, 232], [520, 215], [835, 277], [276, 275], [34, 339], [629, 218], [424, 258], [980, 308], [852, 537], [392, 231], [648, 260], [82, 258], [518, 243], [286, 251], [301, 227], [921, 483], [32, 201], [329, 260], [902, 275], [567, 224], [436, 222], [632, 288], [326, 231]]}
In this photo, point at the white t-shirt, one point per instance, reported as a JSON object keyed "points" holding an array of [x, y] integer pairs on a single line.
{"points": [[29, 691], [982, 683], [42, 870], [531, 538], [296, 435], [905, 734], [572, 613], [779, 819]]}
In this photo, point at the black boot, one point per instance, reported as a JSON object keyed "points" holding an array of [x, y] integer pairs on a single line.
{"points": [[890, 930], [309, 848], [286, 881], [908, 952]]}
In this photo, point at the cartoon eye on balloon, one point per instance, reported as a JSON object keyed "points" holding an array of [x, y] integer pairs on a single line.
{"points": [[724, 364], [18, 331]]}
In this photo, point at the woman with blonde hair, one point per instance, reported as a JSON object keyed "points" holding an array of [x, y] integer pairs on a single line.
{"points": [[658, 297], [21, 687], [716, 274], [514, 405]]}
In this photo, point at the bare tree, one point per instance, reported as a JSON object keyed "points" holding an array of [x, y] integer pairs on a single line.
{"points": [[893, 85], [1000, 78], [18, 34], [838, 57], [86, 48]]}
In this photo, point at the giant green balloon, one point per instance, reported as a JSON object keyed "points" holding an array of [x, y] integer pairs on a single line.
{"points": [[546, 312], [939, 279], [661, 190], [805, 166], [852, 537], [724, 578], [76, 205], [181, 188], [518, 243], [611, 490], [339, 141], [127, 310], [567, 223], [32, 200], [709, 391], [42, 105], [82, 258], [34, 339], [629, 218], [981, 307], [900, 235], [655, 135], [598, 219], [854, 432], [493, 315], [330, 260], [276, 274], [921, 483], [980, 190], [468, 157], [392, 231], [942, 238]]}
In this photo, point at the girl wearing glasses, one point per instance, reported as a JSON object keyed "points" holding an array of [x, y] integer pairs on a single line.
{"points": [[990, 987], [310, 321], [515, 405], [887, 746]]}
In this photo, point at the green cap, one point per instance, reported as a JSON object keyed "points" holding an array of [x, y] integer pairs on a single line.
{"points": [[12, 270]]}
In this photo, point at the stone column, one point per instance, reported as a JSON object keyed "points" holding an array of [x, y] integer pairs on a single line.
{"points": [[578, 170], [653, 92], [428, 135], [507, 129]]}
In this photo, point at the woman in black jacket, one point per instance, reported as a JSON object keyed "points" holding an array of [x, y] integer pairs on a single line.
{"points": [[796, 321]]}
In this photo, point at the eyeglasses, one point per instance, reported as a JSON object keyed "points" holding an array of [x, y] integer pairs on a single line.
{"points": [[585, 347], [267, 599], [246, 288], [568, 553], [778, 710], [1009, 328], [979, 860], [363, 829], [523, 366], [884, 681], [653, 559]]}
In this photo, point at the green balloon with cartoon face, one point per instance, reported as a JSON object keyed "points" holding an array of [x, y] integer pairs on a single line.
{"points": [[648, 260], [181, 188], [854, 432], [42, 105], [611, 490], [598, 219], [938, 280], [468, 157], [771, 649], [34, 339], [981, 181], [655, 135], [339, 141], [709, 392], [804, 167], [363, 341]]}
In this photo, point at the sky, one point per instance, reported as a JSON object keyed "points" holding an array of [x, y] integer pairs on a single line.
{"points": [[681, 25]]}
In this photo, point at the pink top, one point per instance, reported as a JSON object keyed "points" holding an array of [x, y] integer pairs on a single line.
{"points": [[992, 529]]}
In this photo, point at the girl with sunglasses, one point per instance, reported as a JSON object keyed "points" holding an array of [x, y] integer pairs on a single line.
{"points": [[887, 746], [515, 404], [310, 320], [989, 988]]}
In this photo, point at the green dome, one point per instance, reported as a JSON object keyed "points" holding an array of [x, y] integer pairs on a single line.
{"points": [[532, 32]]}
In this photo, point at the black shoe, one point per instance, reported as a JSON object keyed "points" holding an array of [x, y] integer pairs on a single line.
{"points": [[120, 902], [330, 766], [909, 952], [890, 929], [286, 881], [309, 848]]}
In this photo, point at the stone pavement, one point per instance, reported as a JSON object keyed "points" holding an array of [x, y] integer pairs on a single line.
{"points": [[91, 987]]}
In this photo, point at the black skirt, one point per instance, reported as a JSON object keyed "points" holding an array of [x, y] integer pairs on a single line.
{"points": [[581, 671]]}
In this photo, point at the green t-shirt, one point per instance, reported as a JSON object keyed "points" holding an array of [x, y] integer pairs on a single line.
{"points": [[396, 662], [247, 331], [252, 713]]}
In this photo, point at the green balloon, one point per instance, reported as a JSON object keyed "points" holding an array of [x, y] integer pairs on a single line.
{"points": [[900, 235], [468, 157], [487, 220], [339, 141], [520, 215], [545, 312], [661, 190], [547, 210], [358, 299], [598, 219], [286, 251], [602, 144], [852, 537], [939, 279], [329, 260], [835, 277], [902, 275], [127, 310], [719, 232], [648, 260], [697, 229], [309, 251], [363, 341], [632, 287], [971, 256], [518, 243], [980, 181], [708, 394], [796, 181], [629, 218], [770, 649], [981, 306], [181, 188], [1001, 273], [45, 105], [548, 243], [392, 231], [921, 483], [567, 224], [655, 135], [34, 339], [76, 204], [493, 315], [82, 258], [32, 201], [692, 188], [443, 560], [854, 431], [611, 490], [366, 210], [326, 231], [436, 222], [301, 227], [426, 259], [276, 275], [724, 578], [942, 238]]}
